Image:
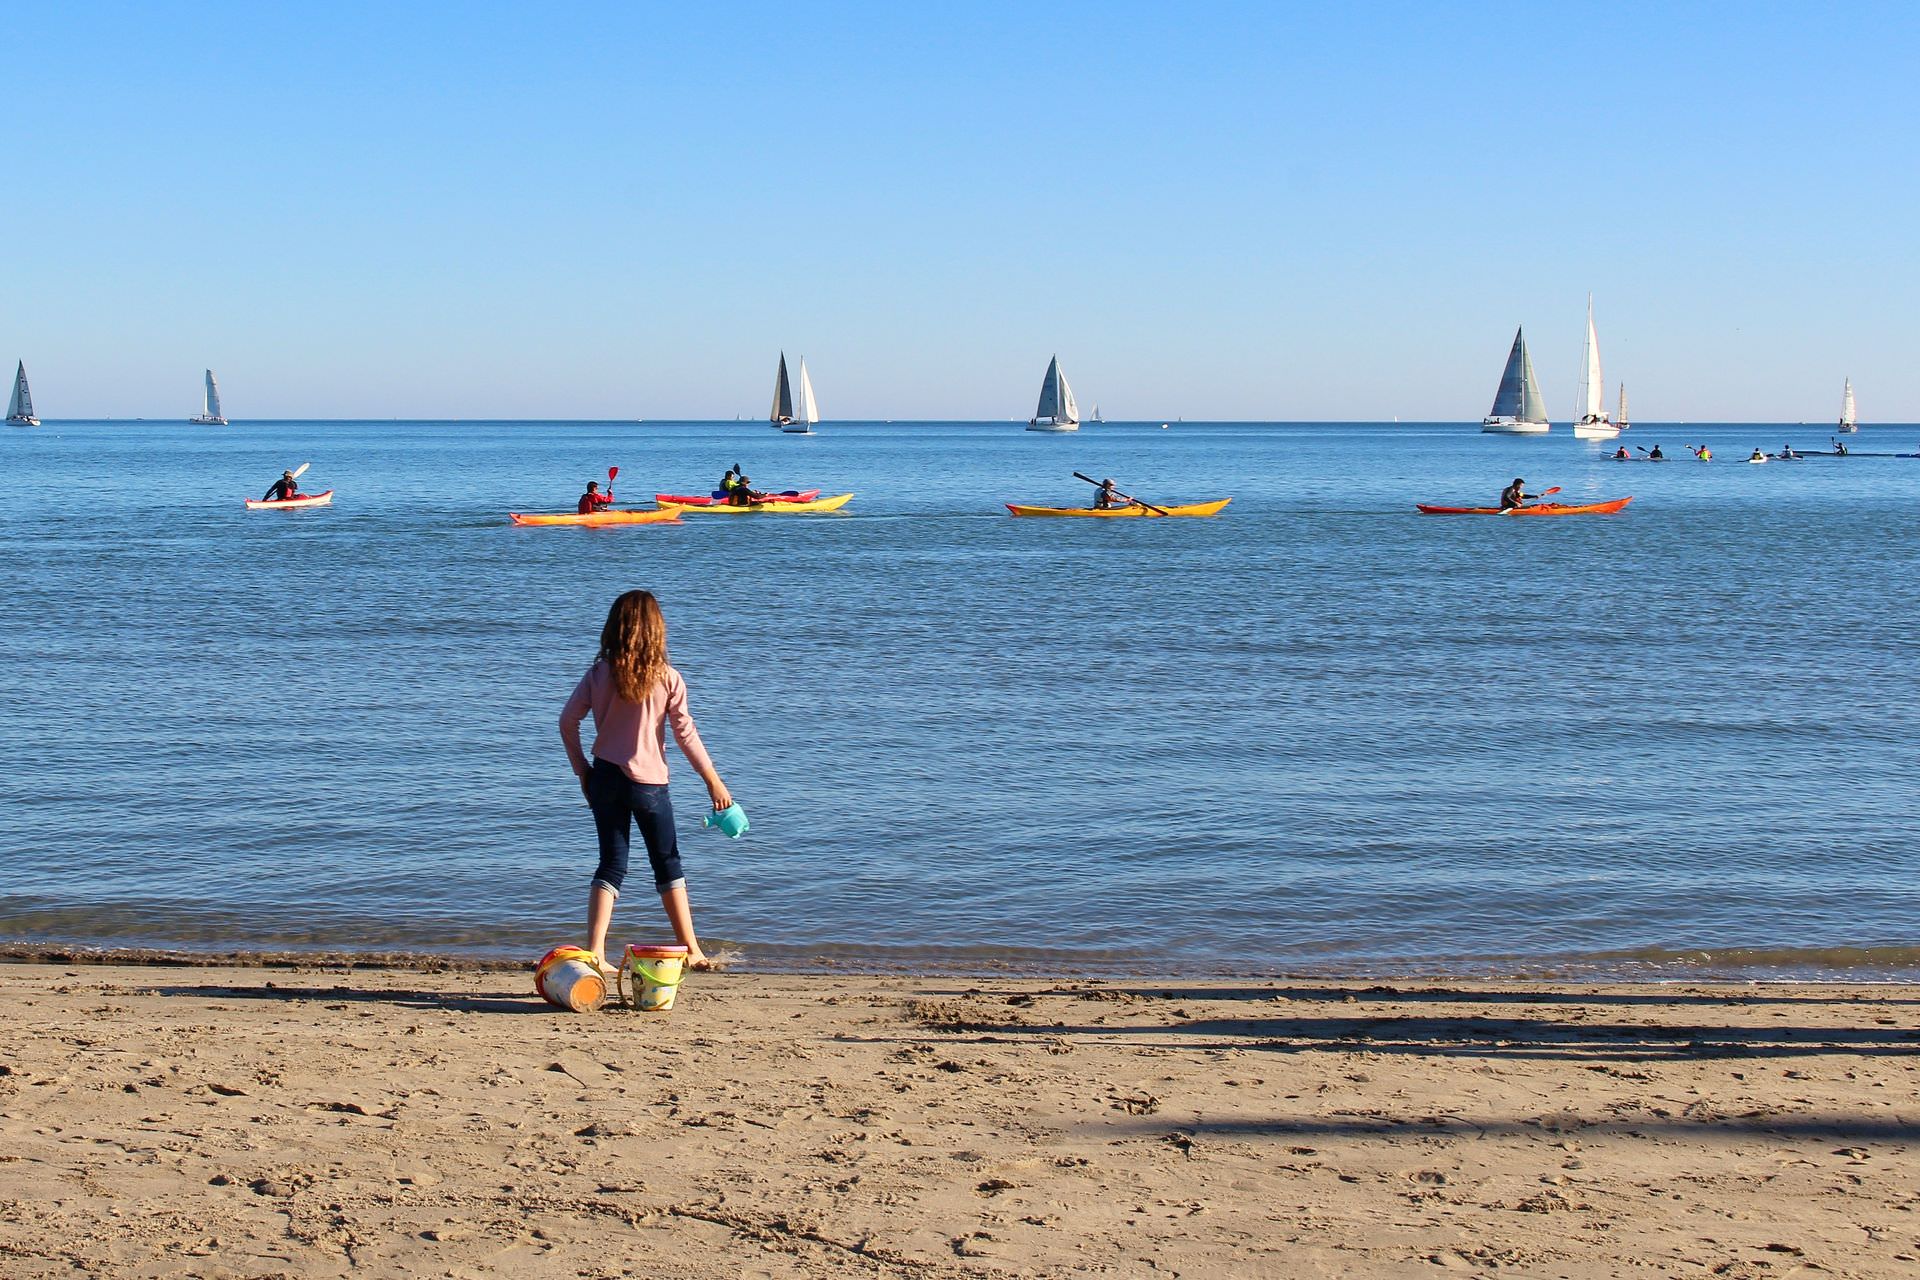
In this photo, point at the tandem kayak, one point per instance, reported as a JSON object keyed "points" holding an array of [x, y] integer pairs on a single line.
{"points": [[288, 504], [1537, 509], [776, 508], [1191, 509], [690, 500], [597, 518]]}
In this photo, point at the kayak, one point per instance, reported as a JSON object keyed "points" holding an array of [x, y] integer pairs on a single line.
{"points": [[689, 500], [1191, 509], [288, 504], [597, 518], [775, 508], [1538, 509]]}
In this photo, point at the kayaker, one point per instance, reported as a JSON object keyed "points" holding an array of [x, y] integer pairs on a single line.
{"points": [[1757, 456], [593, 500], [1106, 497], [633, 695], [1702, 452], [1621, 454], [1515, 495], [1655, 455], [1840, 448], [739, 489], [1786, 452], [284, 488]]}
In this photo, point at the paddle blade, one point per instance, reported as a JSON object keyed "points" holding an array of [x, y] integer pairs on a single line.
{"points": [[611, 473], [1544, 492], [301, 470]]}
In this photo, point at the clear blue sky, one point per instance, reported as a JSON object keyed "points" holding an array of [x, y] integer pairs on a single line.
{"points": [[1231, 210]]}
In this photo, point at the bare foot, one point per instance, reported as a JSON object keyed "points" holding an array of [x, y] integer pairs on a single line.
{"points": [[699, 961]]}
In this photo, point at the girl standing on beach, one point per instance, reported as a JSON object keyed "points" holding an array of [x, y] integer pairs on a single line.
{"points": [[634, 695]]}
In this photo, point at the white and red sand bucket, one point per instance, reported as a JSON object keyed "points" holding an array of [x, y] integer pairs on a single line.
{"points": [[568, 977]]}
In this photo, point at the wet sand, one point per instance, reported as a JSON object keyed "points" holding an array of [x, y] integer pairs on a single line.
{"points": [[391, 1121]]}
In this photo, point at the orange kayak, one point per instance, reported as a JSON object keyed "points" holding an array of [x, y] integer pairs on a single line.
{"points": [[597, 518], [1537, 509]]}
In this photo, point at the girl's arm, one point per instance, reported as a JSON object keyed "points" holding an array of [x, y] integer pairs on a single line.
{"points": [[570, 717]]}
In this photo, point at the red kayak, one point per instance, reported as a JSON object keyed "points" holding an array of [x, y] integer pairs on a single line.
{"points": [[1537, 509], [686, 500]]}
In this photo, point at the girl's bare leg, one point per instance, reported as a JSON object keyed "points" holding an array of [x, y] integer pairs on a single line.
{"points": [[680, 916], [599, 916]]}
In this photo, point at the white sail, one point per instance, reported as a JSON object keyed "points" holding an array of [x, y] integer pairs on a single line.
{"points": [[782, 395], [1848, 418], [1590, 419], [213, 397], [1593, 388], [20, 406], [1623, 420], [807, 411]]}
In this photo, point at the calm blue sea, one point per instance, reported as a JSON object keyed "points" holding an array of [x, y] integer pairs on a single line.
{"points": [[1319, 734]]}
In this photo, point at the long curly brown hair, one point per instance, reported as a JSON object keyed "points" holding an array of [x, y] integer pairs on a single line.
{"points": [[634, 644]]}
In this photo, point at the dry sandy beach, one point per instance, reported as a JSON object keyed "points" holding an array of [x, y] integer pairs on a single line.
{"points": [[394, 1121]]}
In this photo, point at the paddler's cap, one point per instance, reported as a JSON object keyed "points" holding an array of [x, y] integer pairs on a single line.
{"points": [[1518, 480], [287, 474]]}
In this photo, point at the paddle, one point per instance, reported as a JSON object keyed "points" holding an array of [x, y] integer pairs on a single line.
{"points": [[301, 470], [611, 473], [1129, 497]]}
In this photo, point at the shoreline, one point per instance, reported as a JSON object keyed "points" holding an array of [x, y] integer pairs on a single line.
{"points": [[959, 963], [222, 1121]]}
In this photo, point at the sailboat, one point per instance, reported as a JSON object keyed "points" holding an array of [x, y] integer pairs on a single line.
{"points": [[1622, 419], [806, 412], [1518, 409], [1057, 411], [1096, 415], [20, 407], [1590, 420], [210, 415], [785, 415], [1848, 420]]}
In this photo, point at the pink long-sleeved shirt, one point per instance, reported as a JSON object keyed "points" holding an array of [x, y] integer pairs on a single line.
{"points": [[632, 735]]}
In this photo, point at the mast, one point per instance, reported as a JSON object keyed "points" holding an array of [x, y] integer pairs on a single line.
{"points": [[782, 395]]}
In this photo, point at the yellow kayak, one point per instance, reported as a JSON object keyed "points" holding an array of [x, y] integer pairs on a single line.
{"points": [[1191, 509], [596, 519], [776, 508]]}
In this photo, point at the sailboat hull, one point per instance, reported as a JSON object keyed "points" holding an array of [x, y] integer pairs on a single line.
{"points": [[1601, 430], [1048, 424], [1513, 427], [22, 420], [203, 420]]}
